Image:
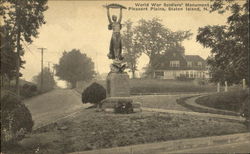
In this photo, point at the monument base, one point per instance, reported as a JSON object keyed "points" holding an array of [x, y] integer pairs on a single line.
{"points": [[118, 85], [118, 100], [120, 105]]}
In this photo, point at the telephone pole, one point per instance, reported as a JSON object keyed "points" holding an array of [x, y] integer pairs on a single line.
{"points": [[49, 65], [42, 49]]}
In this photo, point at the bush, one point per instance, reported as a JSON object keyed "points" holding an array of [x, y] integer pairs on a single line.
{"points": [[119, 104], [28, 90], [95, 93], [124, 107], [16, 119], [184, 78]]}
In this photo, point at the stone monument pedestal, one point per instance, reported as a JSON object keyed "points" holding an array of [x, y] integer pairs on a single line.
{"points": [[118, 92], [118, 85]]}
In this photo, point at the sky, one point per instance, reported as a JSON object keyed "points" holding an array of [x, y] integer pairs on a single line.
{"points": [[84, 25]]}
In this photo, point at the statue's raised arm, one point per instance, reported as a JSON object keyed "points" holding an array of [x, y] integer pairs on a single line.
{"points": [[120, 18], [108, 14]]}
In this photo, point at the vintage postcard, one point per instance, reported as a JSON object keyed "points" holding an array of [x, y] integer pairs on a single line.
{"points": [[125, 77]]}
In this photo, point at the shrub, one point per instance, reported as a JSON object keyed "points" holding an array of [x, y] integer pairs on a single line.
{"points": [[95, 93], [16, 119], [184, 78], [28, 90], [119, 104], [124, 107]]}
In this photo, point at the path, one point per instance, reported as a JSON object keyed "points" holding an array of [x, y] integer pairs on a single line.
{"points": [[195, 113], [54, 105], [192, 101]]}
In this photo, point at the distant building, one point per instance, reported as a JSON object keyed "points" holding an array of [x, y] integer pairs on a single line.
{"points": [[174, 65]]}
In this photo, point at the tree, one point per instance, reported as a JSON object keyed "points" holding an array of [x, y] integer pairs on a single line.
{"points": [[229, 43], [75, 66], [48, 80], [152, 38], [21, 20], [131, 53], [8, 58]]}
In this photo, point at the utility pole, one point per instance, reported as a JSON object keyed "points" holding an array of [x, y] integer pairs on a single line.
{"points": [[97, 69], [42, 49], [49, 66]]}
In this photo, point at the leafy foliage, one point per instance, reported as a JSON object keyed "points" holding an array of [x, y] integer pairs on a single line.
{"points": [[152, 38], [229, 43], [28, 90], [75, 66], [22, 17], [95, 93], [8, 56], [48, 80], [131, 53], [28, 14], [16, 119]]}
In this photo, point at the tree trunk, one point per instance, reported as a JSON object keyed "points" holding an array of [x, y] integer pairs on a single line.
{"points": [[151, 70], [18, 61], [133, 74]]}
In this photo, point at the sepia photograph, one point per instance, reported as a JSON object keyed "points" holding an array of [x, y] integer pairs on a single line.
{"points": [[124, 76]]}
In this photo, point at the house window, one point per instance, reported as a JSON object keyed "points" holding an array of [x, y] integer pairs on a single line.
{"points": [[191, 74], [175, 63], [200, 64], [174, 74], [189, 64], [159, 74]]}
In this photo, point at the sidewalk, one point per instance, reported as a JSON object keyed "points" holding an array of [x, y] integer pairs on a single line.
{"points": [[191, 101], [195, 113], [182, 145]]}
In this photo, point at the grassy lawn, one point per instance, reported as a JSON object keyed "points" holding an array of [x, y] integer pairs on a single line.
{"points": [[95, 130], [161, 101], [231, 101]]}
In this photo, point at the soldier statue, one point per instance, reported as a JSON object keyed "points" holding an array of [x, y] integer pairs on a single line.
{"points": [[115, 48]]}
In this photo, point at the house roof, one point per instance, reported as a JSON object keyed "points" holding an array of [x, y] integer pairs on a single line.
{"points": [[194, 58]]}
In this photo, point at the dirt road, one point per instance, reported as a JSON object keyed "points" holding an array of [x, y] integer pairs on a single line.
{"points": [[54, 105]]}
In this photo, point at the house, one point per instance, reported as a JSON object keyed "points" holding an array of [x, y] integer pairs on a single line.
{"points": [[173, 65]]}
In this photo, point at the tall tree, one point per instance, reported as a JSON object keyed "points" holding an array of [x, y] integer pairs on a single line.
{"points": [[229, 43], [131, 53], [48, 78], [153, 39], [75, 66], [21, 20]]}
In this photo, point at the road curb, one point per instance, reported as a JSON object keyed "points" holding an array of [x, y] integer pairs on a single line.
{"points": [[171, 146]]}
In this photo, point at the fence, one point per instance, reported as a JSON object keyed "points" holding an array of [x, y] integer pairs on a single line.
{"points": [[227, 88]]}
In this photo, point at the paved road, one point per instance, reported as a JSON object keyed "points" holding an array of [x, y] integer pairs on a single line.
{"points": [[226, 148], [54, 105], [239, 118]]}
